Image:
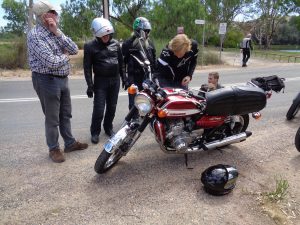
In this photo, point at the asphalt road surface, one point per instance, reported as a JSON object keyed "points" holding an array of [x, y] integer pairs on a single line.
{"points": [[147, 186]]}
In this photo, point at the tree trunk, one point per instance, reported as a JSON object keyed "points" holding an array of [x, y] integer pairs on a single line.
{"points": [[30, 15]]}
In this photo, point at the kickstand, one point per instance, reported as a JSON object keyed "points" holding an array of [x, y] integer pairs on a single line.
{"points": [[186, 162]]}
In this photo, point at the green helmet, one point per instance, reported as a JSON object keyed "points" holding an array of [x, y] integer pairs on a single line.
{"points": [[141, 23]]}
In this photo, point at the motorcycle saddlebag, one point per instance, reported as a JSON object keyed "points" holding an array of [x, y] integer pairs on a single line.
{"points": [[235, 100], [269, 83]]}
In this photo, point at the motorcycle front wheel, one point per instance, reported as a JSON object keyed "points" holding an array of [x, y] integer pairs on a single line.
{"points": [[106, 160], [293, 110], [297, 140]]}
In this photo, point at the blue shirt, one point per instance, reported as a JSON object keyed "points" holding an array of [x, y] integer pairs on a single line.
{"points": [[46, 51]]}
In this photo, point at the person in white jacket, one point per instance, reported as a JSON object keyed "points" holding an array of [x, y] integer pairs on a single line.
{"points": [[245, 47]]}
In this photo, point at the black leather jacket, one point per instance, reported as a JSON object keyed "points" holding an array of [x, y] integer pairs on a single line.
{"points": [[171, 68], [105, 60], [134, 70]]}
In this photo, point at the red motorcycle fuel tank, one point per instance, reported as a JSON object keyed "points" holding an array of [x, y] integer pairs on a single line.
{"points": [[180, 106]]}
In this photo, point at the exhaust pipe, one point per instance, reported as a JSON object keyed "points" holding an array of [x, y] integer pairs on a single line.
{"points": [[227, 141], [211, 145]]}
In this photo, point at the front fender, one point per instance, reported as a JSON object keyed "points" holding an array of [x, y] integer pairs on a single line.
{"points": [[114, 142]]}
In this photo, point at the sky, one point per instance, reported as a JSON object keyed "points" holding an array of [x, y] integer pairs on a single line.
{"points": [[3, 22]]}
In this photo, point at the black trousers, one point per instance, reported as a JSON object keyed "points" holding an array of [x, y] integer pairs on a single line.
{"points": [[246, 55], [106, 98]]}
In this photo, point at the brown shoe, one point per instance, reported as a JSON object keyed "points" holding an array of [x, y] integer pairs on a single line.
{"points": [[76, 146], [56, 155]]}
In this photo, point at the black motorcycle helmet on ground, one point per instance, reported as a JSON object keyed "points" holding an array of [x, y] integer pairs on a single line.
{"points": [[219, 179]]}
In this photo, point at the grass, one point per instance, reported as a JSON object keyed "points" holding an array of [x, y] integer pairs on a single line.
{"points": [[280, 191], [13, 54]]}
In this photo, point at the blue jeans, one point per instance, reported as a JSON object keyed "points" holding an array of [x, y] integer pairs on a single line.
{"points": [[106, 97], [54, 95]]}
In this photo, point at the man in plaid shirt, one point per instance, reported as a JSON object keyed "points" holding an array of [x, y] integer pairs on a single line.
{"points": [[48, 51]]}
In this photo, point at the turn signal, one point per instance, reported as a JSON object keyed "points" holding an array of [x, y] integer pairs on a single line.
{"points": [[132, 89], [256, 115], [162, 113]]}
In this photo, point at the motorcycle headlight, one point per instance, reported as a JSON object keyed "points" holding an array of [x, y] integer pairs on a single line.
{"points": [[143, 103]]}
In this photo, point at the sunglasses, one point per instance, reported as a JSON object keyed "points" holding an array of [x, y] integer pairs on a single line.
{"points": [[53, 12]]}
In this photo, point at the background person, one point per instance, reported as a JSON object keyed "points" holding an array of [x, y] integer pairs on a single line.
{"points": [[103, 57], [246, 45], [177, 62], [212, 82], [130, 48], [48, 51]]}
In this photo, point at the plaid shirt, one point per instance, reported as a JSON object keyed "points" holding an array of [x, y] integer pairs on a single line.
{"points": [[46, 52]]}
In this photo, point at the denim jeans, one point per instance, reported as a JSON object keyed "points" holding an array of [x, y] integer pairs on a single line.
{"points": [[106, 97], [54, 95]]}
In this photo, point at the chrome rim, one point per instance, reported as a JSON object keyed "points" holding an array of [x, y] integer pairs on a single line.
{"points": [[113, 158]]}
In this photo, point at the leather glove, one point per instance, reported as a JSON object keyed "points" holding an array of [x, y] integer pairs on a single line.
{"points": [[90, 91], [125, 84]]}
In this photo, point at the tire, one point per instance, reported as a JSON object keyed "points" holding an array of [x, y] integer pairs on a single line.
{"points": [[238, 127], [297, 140], [293, 110], [106, 161], [242, 126]]}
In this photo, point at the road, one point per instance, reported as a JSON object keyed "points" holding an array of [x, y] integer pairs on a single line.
{"points": [[147, 186]]}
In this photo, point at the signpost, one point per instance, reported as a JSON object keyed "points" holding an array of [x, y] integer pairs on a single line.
{"points": [[201, 22], [105, 4], [222, 32]]}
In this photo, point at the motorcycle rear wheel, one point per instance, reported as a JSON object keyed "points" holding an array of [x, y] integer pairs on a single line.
{"points": [[297, 140], [242, 125], [293, 110]]}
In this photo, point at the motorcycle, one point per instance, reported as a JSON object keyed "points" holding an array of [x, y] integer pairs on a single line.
{"points": [[294, 108], [184, 122], [297, 139]]}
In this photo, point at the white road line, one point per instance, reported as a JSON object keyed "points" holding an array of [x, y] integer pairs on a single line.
{"points": [[123, 93]]}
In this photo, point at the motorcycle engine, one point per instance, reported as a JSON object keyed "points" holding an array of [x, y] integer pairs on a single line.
{"points": [[180, 133]]}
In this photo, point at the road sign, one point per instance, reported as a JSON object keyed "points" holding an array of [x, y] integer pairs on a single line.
{"points": [[200, 22], [222, 28]]}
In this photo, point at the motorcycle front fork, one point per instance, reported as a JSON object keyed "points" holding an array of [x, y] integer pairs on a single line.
{"points": [[133, 125]]}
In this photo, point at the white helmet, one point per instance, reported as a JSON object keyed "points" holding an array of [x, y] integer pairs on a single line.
{"points": [[101, 27]]}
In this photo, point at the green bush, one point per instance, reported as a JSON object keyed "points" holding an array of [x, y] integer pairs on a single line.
{"points": [[209, 58], [80, 44], [13, 54]]}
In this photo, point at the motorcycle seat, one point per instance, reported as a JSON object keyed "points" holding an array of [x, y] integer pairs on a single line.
{"points": [[235, 100]]}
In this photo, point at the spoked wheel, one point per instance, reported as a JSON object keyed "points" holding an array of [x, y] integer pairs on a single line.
{"points": [[107, 160], [293, 110], [239, 123], [297, 140], [114, 149]]}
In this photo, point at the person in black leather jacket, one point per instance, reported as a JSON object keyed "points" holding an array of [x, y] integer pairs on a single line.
{"points": [[177, 62], [103, 56], [130, 47]]}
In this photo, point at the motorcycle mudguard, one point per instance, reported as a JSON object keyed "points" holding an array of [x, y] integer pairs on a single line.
{"points": [[110, 144]]}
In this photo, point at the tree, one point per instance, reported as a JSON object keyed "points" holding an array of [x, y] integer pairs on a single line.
{"points": [[16, 15], [270, 14], [125, 11], [167, 15], [223, 11], [77, 15]]}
